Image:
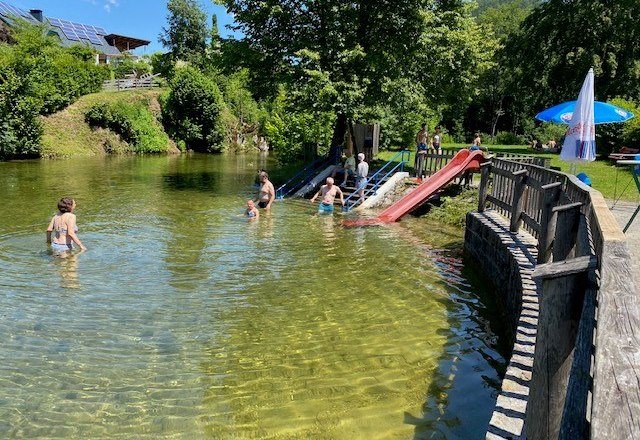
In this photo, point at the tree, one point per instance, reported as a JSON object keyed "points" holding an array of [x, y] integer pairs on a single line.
{"points": [[561, 39], [349, 57], [186, 35]]}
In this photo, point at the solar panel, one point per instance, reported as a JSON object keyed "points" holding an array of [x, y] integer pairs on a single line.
{"points": [[72, 30], [7, 9], [70, 34]]}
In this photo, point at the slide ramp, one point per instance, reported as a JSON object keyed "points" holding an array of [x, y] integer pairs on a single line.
{"points": [[463, 161]]}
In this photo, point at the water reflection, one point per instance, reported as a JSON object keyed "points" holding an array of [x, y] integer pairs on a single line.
{"points": [[66, 265]]}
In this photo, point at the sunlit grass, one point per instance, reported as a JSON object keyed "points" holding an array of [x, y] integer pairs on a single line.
{"points": [[606, 177]]}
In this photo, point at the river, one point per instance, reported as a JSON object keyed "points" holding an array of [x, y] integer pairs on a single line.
{"points": [[184, 320]]}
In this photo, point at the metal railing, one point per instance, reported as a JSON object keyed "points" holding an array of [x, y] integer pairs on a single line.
{"points": [[302, 177], [378, 178]]}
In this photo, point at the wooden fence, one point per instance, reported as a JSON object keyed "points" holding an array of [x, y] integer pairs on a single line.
{"points": [[144, 82], [436, 161], [587, 355]]}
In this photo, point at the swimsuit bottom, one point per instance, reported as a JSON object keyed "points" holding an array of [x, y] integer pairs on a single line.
{"points": [[325, 208], [422, 147], [59, 247], [262, 204]]}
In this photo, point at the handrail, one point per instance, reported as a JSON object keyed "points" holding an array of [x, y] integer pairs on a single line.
{"points": [[280, 192], [378, 179]]}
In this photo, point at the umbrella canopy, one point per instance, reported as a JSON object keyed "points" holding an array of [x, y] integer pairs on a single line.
{"points": [[603, 113], [580, 140]]}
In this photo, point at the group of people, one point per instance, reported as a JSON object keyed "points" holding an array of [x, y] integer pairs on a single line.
{"points": [[424, 144], [327, 192], [536, 144]]}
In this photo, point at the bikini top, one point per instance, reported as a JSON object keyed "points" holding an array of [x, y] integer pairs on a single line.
{"points": [[58, 227]]}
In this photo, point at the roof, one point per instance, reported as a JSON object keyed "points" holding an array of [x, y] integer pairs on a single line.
{"points": [[71, 33], [124, 43]]}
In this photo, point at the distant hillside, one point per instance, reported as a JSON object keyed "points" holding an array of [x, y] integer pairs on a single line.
{"points": [[67, 134]]}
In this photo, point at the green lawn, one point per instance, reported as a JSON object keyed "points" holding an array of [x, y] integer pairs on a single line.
{"points": [[601, 172]]}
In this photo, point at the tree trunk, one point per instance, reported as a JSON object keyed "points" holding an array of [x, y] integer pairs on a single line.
{"points": [[339, 129]]}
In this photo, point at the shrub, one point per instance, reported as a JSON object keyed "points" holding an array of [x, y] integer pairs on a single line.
{"points": [[611, 137], [134, 122], [191, 111], [508, 138], [39, 77]]}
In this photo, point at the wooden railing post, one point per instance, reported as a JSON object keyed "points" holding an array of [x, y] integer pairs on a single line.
{"points": [[551, 195], [566, 233], [518, 191], [485, 170]]}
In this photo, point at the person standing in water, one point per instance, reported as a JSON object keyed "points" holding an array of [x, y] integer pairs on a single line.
{"points": [[252, 212], [61, 232], [267, 193], [328, 193]]}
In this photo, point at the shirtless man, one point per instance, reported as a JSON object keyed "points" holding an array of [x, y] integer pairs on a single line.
{"points": [[267, 193], [328, 193], [421, 149]]}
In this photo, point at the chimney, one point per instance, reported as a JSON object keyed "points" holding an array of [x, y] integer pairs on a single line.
{"points": [[37, 14]]}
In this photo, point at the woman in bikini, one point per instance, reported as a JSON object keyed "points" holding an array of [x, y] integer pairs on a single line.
{"points": [[61, 232]]}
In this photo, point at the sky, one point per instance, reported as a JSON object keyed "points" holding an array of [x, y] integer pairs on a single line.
{"points": [[142, 19]]}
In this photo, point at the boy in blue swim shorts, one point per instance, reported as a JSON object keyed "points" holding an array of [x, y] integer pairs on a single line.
{"points": [[329, 191]]}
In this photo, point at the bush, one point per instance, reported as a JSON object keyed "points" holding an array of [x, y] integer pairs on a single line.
{"points": [[611, 137], [39, 77], [508, 138], [134, 122], [191, 111]]}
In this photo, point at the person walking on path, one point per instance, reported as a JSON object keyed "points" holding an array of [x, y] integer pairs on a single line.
{"points": [[267, 193], [61, 232], [328, 193]]}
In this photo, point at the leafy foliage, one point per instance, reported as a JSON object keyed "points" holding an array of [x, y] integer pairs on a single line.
{"points": [[186, 34], [133, 121], [191, 111], [38, 77], [291, 130]]}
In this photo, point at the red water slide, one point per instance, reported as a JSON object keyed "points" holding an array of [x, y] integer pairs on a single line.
{"points": [[464, 160]]}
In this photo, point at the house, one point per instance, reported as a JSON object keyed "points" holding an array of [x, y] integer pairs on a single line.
{"points": [[109, 46]]}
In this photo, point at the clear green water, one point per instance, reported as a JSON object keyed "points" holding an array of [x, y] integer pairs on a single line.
{"points": [[183, 320]]}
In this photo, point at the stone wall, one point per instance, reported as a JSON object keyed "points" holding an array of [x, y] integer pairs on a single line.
{"points": [[507, 260]]}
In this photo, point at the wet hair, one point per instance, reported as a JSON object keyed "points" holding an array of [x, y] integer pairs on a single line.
{"points": [[65, 204]]}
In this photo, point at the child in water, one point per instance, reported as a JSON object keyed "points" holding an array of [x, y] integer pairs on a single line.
{"points": [[251, 212], [63, 228]]}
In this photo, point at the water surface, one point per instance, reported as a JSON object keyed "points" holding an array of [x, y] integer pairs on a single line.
{"points": [[183, 320]]}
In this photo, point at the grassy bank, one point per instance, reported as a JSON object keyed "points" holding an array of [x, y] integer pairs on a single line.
{"points": [[603, 173], [67, 134]]}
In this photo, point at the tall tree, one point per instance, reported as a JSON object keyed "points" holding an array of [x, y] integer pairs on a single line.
{"points": [[187, 33], [561, 39], [349, 57]]}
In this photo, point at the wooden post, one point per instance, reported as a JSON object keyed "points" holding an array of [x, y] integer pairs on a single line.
{"points": [[551, 195], [518, 191], [567, 221], [485, 170]]}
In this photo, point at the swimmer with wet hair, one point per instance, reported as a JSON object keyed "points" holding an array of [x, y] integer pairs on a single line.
{"points": [[61, 232]]}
